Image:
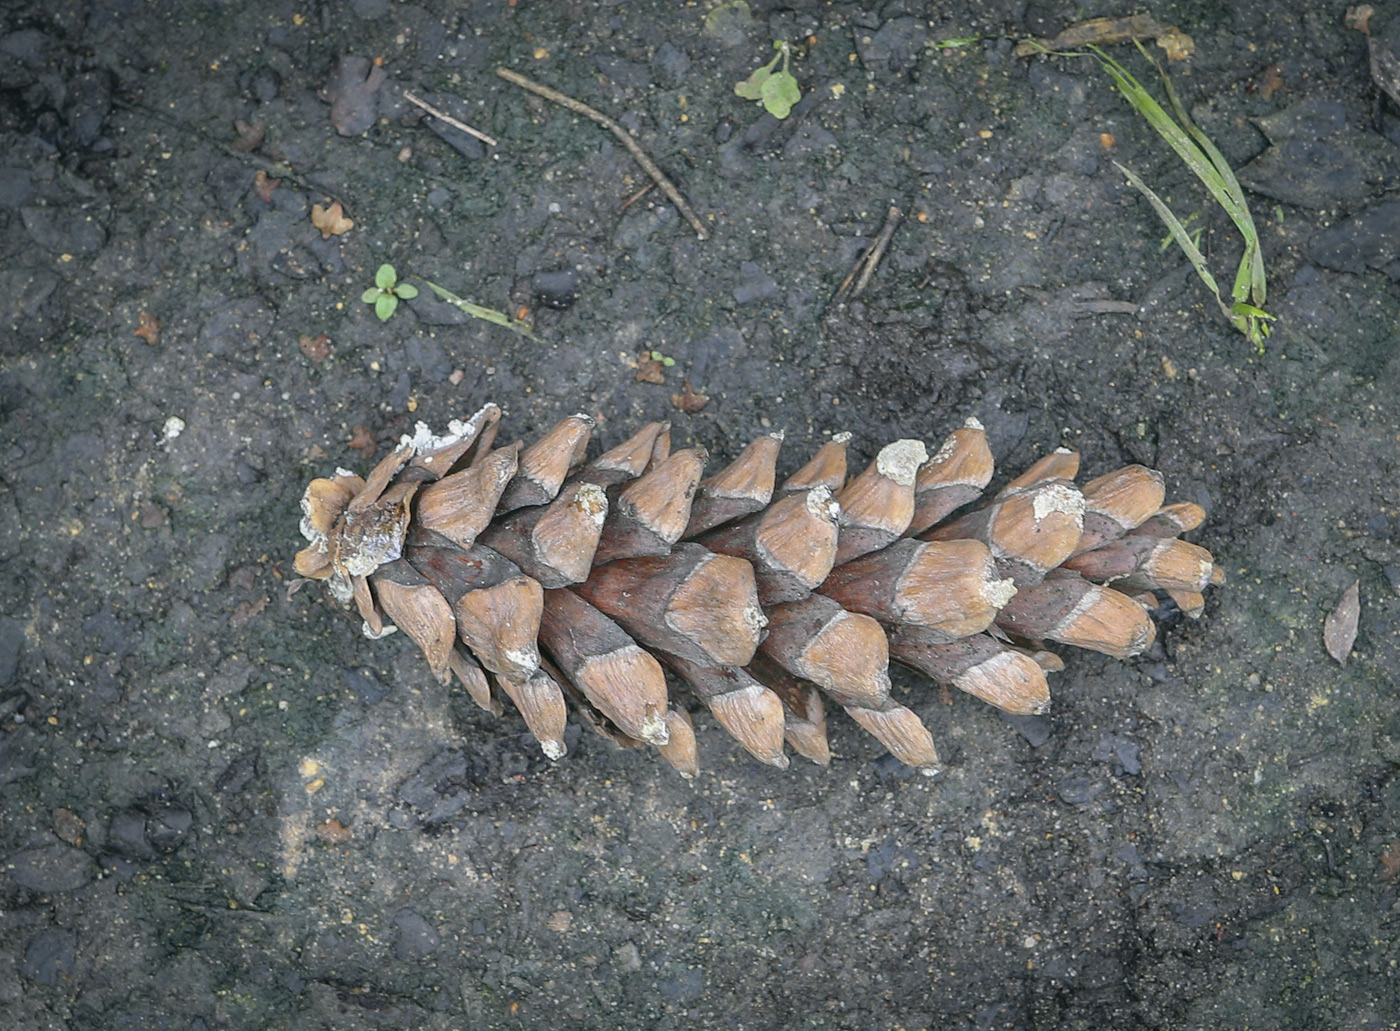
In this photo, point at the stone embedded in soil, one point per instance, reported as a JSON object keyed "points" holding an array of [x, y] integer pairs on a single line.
{"points": [[557, 289], [1318, 159], [1369, 239], [416, 937], [50, 956], [52, 868], [755, 284], [351, 92]]}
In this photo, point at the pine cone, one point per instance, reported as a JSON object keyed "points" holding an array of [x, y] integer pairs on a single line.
{"points": [[524, 572]]}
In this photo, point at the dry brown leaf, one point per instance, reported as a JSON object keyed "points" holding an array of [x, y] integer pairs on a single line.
{"points": [[560, 920], [246, 610], [688, 400], [317, 348], [362, 441], [148, 328], [649, 370], [1270, 81], [1390, 862], [1177, 44], [1358, 18], [263, 185], [1339, 629], [250, 136], [333, 832], [331, 221]]}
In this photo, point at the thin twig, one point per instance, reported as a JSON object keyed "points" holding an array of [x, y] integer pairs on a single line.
{"points": [[637, 196], [449, 119], [865, 267], [648, 165]]}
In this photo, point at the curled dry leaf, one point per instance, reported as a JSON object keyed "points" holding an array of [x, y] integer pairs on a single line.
{"points": [[333, 832], [263, 185], [331, 221], [1390, 862], [649, 370], [362, 441], [1270, 81], [1358, 18], [317, 348], [1177, 45], [689, 401], [1339, 629], [148, 328], [250, 136]]}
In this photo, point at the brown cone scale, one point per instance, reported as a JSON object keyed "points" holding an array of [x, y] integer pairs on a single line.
{"points": [[527, 572]]}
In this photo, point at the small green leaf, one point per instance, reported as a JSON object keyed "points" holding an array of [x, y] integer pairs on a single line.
{"points": [[752, 87], [1249, 310], [371, 295], [780, 94], [386, 277], [406, 290], [385, 306]]}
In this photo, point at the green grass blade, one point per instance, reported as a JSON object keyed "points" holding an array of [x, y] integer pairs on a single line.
{"points": [[491, 315], [1238, 209], [1179, 234], [1177, 138]]}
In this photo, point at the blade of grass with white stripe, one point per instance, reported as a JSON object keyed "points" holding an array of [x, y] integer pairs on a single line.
{"points": [[1179, 233], [1253, 260], [1205, 160]]}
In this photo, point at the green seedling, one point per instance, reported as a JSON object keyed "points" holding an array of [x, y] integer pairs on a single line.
{"points": [[1249, 292], [491, 315], [1196, 233], [778, 90], [387, 292], [665, 360]]}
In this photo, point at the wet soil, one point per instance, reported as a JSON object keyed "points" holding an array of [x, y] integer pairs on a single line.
{"points": [[223, 807]]}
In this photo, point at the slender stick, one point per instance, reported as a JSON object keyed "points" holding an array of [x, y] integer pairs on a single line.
{"points": [[449, 119], [859, 277], [648, 165]]}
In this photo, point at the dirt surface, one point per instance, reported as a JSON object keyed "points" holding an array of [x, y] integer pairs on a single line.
{"points": [[223, 807]]}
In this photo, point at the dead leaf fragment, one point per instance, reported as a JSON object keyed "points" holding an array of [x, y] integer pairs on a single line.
{"points": [[560, 920], [250, 136], [331, 221], [688, 400], [1270, 81], [263, 185], [246, 610], [148, 328], [1339, 629], [1358, 18], [1390, 862], [333, 832], [362, 441], [316, 348], [1177, 44], [649, 370], [151, 516]]}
